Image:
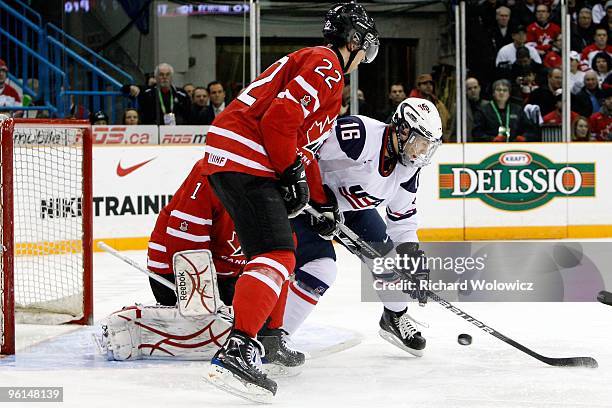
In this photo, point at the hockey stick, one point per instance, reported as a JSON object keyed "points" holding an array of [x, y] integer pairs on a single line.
{"points": [[359, 247], [102, 245]]}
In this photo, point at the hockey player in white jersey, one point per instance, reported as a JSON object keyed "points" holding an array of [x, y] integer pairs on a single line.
{"points": [[366, 164]]}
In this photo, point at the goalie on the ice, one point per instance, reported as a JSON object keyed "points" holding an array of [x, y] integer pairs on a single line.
{"points": [[194, 246], [366, 163]]}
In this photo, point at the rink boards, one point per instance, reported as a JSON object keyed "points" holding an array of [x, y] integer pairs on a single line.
{"points": [[470, 191]]}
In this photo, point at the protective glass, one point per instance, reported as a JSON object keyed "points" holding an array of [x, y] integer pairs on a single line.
{"points": [[416, 148]]}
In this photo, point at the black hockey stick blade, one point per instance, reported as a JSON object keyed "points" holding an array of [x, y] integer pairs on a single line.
{"points": [[605, 297], [362, 249]]}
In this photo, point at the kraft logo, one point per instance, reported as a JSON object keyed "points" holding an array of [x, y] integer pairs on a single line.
{"points": [[124, 171]]}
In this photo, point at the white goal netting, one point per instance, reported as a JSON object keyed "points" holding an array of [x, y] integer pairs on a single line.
{"points": [[49, 279]]}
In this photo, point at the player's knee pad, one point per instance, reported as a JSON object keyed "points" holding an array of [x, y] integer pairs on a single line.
{"points": [[317, 276]]}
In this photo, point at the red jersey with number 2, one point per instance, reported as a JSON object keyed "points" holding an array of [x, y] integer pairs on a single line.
{"points": [[290, 107]]}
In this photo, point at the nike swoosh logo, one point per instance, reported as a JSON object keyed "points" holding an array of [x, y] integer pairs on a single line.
{"points": [[122, 172]]}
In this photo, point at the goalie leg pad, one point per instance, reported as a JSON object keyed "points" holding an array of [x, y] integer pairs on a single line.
{"points": [[161, 332]]}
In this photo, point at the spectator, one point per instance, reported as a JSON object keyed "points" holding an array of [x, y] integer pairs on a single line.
{"points": [[601, 122], [216, 94], [200, 114], [164, 104], [576, 77], [500, 120], [556, 116], [586, 102], [583, 31], [188, 89], [8, 95], [425, 90], [523, 65], [488, 12], [474, 104], [524, 85], [500, 33], [581, 130], [602, 64], [345, 108], [542, 31], [507, 53], [606, 22], [99, 118], [599, 12], [552, 59], [525, 12], [130, 117], [600, 45], [397, 94], [544, 96]]}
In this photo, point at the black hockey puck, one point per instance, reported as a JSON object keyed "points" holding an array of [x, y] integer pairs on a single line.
{"points": [[464, 339], [605, 297]]}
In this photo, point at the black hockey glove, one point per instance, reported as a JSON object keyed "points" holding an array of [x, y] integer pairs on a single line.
{"points": [[295, 188], [416, 269], [327, 226]]}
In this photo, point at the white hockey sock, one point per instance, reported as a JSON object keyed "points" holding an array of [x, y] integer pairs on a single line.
{"points": [[300, 304], [396, 306]]}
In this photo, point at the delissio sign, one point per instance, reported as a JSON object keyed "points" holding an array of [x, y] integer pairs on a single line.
{"points": [[517, 180]]}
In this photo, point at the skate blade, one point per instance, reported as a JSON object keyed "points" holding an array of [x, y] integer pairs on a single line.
{"points": [[397, 343], [280, 371], [224, 380]]}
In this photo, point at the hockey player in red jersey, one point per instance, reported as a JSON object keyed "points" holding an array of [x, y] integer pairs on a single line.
{"points": [[193, 222], [260, 157]]}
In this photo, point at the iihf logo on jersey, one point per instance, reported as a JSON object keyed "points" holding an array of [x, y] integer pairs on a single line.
{"points": [[235, 245], [184, 226]]}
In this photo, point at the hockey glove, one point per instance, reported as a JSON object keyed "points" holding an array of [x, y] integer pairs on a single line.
{"points": [[416, 270], [295, 188], [327, 226]]}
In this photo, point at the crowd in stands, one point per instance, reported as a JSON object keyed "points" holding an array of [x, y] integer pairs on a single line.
{"points": [[514, 85], [514, 59]]}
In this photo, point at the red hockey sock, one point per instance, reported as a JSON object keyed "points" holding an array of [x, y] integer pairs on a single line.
{"points": [[276, 317], [258, 289]]}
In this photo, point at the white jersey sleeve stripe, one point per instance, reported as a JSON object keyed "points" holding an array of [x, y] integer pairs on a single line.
{"points": [[157, 247], [238, 159], [310, 89], [238, 138], [158, 265], [264, 279], [191, 218], [187, 236], [271, 263]]}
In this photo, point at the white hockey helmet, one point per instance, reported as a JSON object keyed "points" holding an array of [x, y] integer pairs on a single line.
{"points": [[418, 131]]}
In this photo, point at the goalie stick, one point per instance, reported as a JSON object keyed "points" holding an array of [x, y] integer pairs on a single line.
{"points": [[362, 249]]}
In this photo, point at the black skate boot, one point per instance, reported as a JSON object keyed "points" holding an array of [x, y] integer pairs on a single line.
{"points": [[398, 329], [236, 368], [280, 360]]}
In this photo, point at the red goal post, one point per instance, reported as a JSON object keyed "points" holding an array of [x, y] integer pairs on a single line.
{"points": [[46, 274]]}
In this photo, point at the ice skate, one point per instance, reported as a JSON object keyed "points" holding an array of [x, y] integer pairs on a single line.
{"points": [[398, 329], [281, 360], [236, 368]]}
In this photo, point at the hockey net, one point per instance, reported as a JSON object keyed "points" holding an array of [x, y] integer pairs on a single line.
{"points": [[47, 222]]}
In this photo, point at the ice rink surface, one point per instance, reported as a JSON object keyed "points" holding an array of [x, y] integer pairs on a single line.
{"points": [[488, 373]]}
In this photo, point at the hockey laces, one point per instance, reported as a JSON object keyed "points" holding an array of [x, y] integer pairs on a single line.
{"points": [[407, 330], [288, 344], [254, 356]]}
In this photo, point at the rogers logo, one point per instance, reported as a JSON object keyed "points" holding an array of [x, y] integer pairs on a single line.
{"points": [[119, 135], [515, 159]]}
